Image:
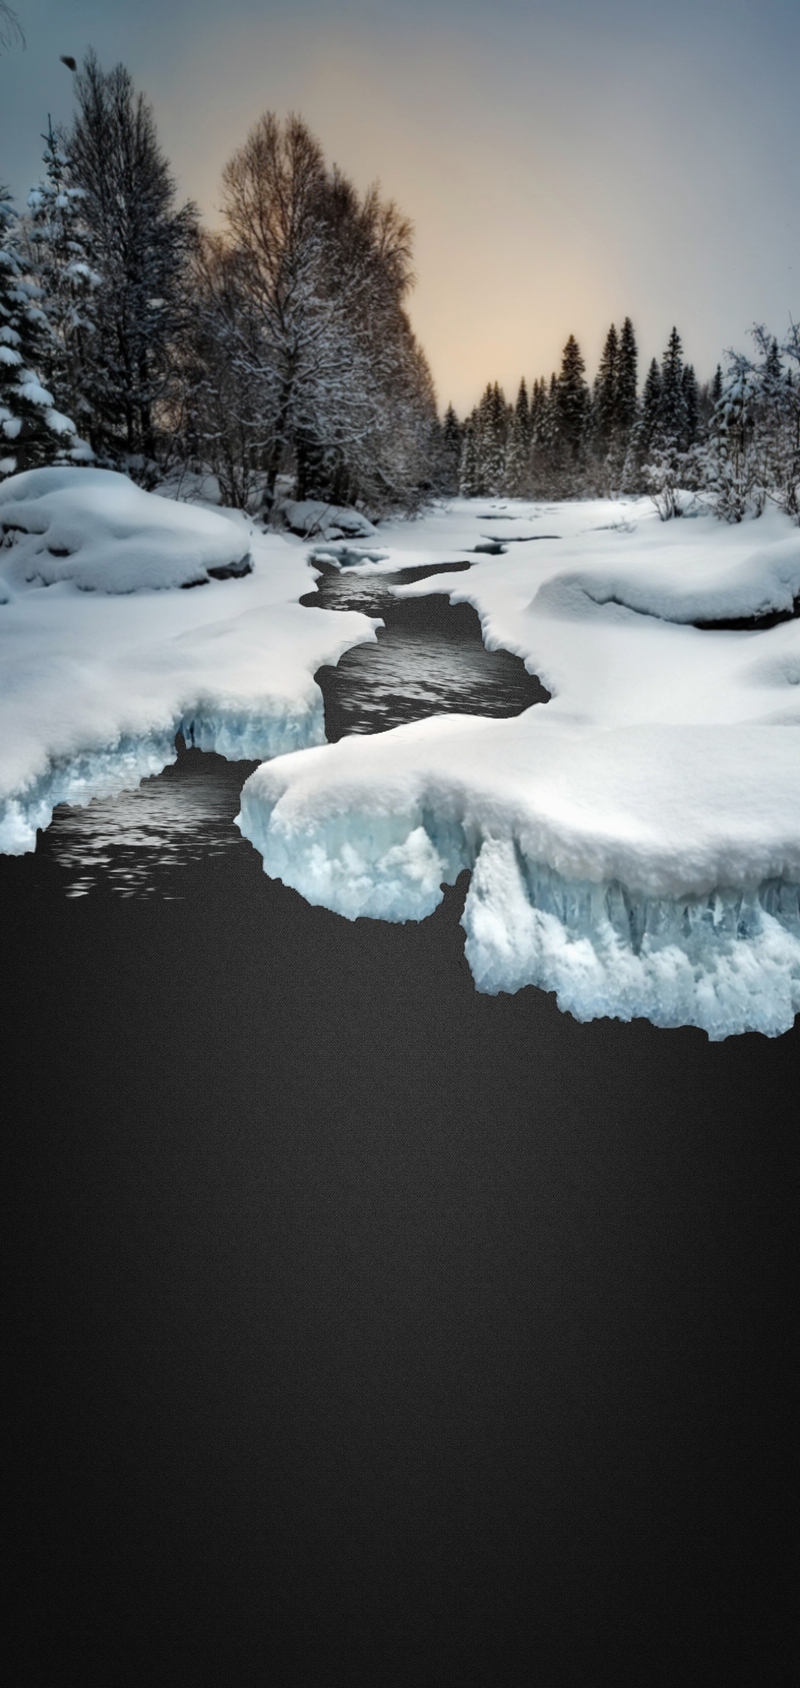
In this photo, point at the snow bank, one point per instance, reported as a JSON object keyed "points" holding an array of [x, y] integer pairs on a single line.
{"points": [[314, 519], [95, 685], [105, 534], [635, 843]]}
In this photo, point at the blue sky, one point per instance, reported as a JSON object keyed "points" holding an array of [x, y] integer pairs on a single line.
{"points": [[564, 164]]}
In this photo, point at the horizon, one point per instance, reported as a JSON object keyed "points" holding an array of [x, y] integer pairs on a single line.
{"points": [[541, 219]]}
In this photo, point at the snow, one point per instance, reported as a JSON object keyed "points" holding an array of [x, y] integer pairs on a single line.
{"points": [[98, 529], [635, 843], [311, 517], [95, 684]]}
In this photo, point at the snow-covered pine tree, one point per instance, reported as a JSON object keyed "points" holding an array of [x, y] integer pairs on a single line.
{"points": [[666, 467], [32, 430], [691, 396], [140, 245], [493, 441], [730, 468], [451, 450], [604, 406], [544, 430], [788, 491], [775, 444], [60, 247], [468, 480], [644, 432], [623, 466], [518, 445], [671, 428], [572, 415], [627, 379]]}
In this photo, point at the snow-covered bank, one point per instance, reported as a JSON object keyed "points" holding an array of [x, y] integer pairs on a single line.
{"points": [[95, 683], [635, 842]]}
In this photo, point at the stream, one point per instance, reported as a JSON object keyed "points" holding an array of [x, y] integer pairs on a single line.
{"points": [[363, 1331], [429, 658]]}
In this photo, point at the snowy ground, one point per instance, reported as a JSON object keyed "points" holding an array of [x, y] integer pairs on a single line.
{"points": [[635, 843], [99, 670]]}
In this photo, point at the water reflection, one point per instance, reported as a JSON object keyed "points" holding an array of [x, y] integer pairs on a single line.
{"points": [[138, 843], [429, 659]]}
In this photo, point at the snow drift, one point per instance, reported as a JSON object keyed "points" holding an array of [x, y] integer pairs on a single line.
{"points": [[635, 843], [94, 684], [99, 530]]}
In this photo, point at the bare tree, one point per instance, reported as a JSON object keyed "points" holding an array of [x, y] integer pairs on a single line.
{"points": [[10, 26], [308, 280]]}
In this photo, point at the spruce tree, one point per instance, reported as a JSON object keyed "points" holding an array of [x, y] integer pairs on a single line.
{"points": [[34, 430], [572, 414], [645, 430], [60, 246], [140, 244], [627, 403], [518, 448], [468, 482], [691, 395], [672, 410], [605, 399], [451, 450]]}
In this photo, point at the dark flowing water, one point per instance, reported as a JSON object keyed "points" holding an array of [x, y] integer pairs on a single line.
{"points": [[364, 1330], [429, 659]]}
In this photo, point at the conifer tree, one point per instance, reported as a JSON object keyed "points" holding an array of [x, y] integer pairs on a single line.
{"points": [[571, 418], [605, 402], [33, 431], [645, 429], [627, 403], [140, 245], [451, 450], [468, 480], [60, 247], [518, 448], [672, 412], [691, 396]]}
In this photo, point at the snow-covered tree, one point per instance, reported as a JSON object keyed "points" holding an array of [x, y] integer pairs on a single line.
{"points": [[518, 446], [672, 421], [60, 248], [691, 396], [312, 312], [604, 406], [451, 447], [33, 430], [468, 483], [572, 412], [627, 377], [643, 436], [140, 245], [730, 468]]}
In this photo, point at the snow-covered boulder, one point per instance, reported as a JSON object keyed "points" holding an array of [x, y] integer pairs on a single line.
{"points": [[312, 518], [99, 530]]}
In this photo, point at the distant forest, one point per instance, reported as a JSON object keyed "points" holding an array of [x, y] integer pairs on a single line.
{"points": [[281, 346], [734, 440]]}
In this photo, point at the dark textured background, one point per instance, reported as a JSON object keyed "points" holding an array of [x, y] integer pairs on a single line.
{"points": [[368, 1331]]}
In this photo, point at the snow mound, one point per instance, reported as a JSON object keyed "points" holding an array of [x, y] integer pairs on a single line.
{"points": [[94, 685], [312, 518], [97, 529], [635, 843]]}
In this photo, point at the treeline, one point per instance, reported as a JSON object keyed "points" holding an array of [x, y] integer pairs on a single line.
{"points": [[733, 442], [567, 439], [132, 338]]}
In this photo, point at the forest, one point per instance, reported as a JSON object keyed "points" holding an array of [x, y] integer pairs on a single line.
{"points": [[280, 346]]}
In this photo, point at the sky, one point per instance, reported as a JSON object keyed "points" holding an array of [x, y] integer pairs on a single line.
{"points": [[565, 162]]}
